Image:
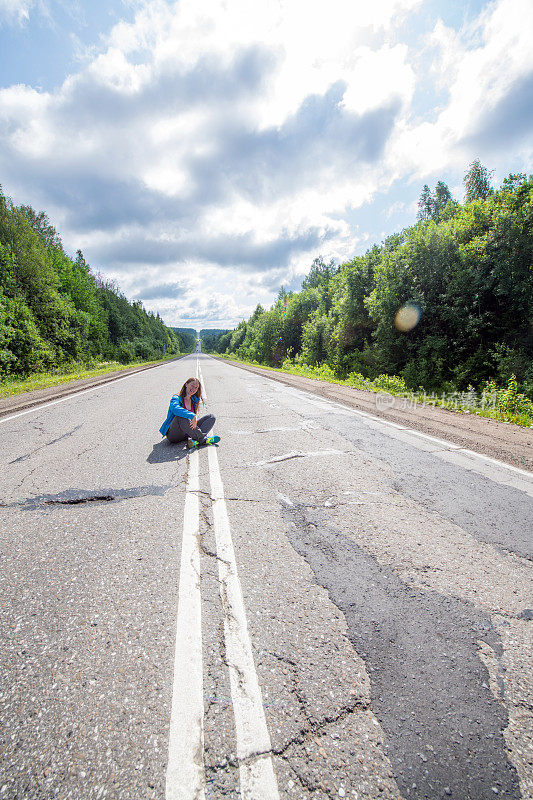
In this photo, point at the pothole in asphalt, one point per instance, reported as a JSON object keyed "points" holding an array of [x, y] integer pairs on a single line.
{"points": [[79, 497], [77, 500]]}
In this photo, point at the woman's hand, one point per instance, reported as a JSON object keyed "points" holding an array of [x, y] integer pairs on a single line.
{"points": [[193, 422]]}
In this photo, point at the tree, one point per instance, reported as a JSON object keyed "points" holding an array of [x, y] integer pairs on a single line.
{"points": [[431, 205], [266, 333], [425, 204], [299, 308], [319, 277], [353, 325], [320, 274], [477, 182], [42, 227], [237, 336], [54, 311], [467, 268], [316, 338], [441, 197]]}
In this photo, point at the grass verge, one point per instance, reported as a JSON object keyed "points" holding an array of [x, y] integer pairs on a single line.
{"points": [[44, 380]]}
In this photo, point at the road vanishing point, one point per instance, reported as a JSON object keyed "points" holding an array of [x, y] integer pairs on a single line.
{"points": [[325, 605]]}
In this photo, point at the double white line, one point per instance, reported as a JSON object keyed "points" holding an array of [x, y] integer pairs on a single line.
{"points": [[185, 772]]}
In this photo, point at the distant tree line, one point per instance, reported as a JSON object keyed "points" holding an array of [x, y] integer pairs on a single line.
{"points": [[55, 312], [188, 337], [462, 277], [210, 337]]}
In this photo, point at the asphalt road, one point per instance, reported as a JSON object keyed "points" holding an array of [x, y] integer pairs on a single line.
{"points": [[322, 606]]}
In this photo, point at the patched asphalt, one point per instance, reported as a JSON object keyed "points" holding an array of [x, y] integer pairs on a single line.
{"points": [[472, 501], [386, 595], [429, 687]]}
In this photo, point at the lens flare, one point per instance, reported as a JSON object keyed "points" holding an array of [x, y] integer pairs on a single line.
{"points": [[407, 317]]}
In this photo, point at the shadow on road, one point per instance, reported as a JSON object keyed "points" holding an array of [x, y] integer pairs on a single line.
{"points": [[164, 451]]}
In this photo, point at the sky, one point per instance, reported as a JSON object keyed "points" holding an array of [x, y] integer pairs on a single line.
{"points": [[203, 153]]}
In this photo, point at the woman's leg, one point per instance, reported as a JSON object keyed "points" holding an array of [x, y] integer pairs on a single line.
{"points": [[179, 430], [203, 426], [205, 423]]}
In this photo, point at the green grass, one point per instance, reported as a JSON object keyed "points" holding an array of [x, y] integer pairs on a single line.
{"points": [[504, 405], [43, 380]]}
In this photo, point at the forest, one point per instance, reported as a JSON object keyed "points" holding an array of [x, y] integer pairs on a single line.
{"points": [[55, 312], [443, 305], [188, 337], [210, 337]]}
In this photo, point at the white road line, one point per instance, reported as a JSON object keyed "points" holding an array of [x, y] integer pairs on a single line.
{"points": [[451, 446], [442, 442], [256, 771], [257, 777], [185, 771]]}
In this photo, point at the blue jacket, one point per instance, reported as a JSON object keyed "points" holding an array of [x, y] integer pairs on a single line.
{"points": [[176, 409]]}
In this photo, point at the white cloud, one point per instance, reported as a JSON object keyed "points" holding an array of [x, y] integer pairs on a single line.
{"points": [[477, 66], [376, 76], [16, 11], [220, 144], [395, 208], [216, 136], [485, 73], [168, 125]]}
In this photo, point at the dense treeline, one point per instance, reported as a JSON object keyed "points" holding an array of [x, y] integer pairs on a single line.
{"points": [[55, 312], [210, 337], [462, 274], [188, 337]]}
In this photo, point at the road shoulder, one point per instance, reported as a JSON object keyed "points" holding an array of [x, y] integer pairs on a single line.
{"points": [[20, 402], [500, 440]]}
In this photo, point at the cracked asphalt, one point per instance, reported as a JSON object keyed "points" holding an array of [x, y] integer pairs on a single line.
{"points": [[386, 583]]}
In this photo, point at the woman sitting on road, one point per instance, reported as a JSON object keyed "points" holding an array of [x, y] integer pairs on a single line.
{"points": [[182, 423]]}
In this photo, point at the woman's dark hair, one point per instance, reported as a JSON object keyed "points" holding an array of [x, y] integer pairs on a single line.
{"points": [[197, 394]]}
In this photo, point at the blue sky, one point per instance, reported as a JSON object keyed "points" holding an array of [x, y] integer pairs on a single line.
{"points": [[203, 154], [52, 41]]}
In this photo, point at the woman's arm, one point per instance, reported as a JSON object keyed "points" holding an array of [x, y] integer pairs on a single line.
{"points": [[176, 406]]}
